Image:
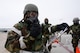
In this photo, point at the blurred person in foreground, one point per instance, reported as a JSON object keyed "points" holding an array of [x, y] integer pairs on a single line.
{"points": [[26, 36]]}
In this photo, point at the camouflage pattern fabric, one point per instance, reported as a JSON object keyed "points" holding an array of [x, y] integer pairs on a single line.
{"points": [[75, 29], [75, 35], [12, 43], [32, 44], [46, 34], [45, 29]]}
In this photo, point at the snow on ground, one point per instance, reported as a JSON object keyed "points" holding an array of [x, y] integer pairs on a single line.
{"points": [[3, 37], [64, 46]]}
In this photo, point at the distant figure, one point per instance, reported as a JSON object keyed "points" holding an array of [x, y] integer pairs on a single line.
{"points": [[46, 33], [26, 35], [75, 31]]}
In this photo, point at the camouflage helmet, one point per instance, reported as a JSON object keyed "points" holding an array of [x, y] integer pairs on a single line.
{"points": [[76, 19], [30, 7]]}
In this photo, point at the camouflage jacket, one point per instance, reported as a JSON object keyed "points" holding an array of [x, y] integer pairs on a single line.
{"points": [[13, 44], [75, 31], [45, 29]]}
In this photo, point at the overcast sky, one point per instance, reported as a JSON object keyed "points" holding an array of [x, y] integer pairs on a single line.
{"points": [[57, 11]]}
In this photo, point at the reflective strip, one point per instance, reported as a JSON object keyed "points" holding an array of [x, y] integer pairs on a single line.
{"points": [[49, 28], [22, 44], [16, 30]]}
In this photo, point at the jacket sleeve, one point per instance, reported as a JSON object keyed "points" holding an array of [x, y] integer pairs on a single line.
{"points": [[12, 42]]}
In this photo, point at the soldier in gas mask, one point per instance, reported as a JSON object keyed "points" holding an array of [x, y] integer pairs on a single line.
{"points": [[46, 32], [75, 31], [26, 35]]}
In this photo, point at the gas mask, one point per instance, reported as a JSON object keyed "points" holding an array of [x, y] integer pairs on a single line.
{"points": [[46, 21], [32, 19], [33, 26], [76, 22]]}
